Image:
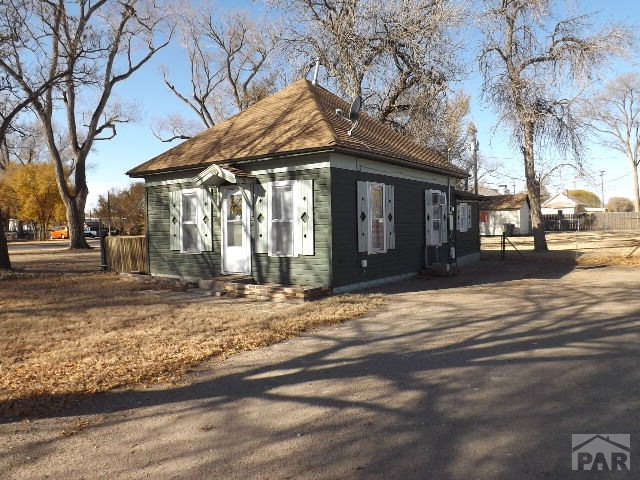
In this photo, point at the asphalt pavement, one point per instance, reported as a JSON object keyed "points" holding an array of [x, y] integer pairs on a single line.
{"points": [[482, 376]]}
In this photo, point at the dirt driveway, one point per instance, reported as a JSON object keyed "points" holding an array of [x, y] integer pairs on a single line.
{"points": [[485, 375]]}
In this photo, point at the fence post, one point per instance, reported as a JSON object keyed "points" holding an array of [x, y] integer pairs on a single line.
{"points": [[503, 246], [103, 251]]}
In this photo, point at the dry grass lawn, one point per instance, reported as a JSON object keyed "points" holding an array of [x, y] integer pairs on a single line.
{"points": [[69, 330], [581, 248]]}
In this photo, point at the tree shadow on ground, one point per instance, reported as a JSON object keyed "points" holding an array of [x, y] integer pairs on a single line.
{"points": [[481, 383]]}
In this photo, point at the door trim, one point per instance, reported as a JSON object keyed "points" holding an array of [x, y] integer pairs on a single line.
{"points": [[246, 224]]}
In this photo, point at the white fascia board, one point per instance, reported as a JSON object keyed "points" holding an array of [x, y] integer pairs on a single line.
{"points": [[328, 160], [183, 182], [348, 162]]}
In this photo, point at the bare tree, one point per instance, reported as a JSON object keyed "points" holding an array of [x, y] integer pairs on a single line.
{"points": [[619, 204], [529, 62], [125, 208], [450, 134], [15, 101], [399, 55], [231, 59], [95, 45], [615, 116]]}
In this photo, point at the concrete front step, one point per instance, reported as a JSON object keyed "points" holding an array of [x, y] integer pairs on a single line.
{"points": [[217, 284], [245, 286]]}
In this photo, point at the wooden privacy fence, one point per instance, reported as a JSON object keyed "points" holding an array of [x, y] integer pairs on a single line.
{"points": [[619, 221], [126, 254]]}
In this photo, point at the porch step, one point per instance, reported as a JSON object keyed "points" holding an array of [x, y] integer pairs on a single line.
{"points": [[270, 291], [217, 284], [245, 286]]}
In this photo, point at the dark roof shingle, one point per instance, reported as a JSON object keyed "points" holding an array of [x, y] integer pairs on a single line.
{"points": [[300, 118]]}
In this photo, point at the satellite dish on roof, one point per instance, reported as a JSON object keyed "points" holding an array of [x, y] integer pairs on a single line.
{"points": [[354, 113], [354, 110]]}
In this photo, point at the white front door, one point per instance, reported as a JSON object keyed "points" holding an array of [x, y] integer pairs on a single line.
{"points": [[236, 248]]}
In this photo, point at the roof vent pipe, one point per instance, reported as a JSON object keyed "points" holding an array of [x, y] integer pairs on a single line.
{"points": [[315, 73]]}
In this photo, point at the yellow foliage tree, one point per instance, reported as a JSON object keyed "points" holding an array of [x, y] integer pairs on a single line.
{"points": [[32, 189]]}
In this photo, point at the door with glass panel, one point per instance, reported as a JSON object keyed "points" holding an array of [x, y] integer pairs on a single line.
{"points": [[236, 248]]}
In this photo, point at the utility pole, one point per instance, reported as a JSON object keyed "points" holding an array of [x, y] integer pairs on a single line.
{"points": [[109, 210], [475, 146], [604, 215]]}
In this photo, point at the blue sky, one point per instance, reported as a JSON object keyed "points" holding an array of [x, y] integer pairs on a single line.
{"points": [[135, 143]]}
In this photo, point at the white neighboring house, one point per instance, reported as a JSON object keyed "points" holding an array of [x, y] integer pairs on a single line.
{"points": [[562, 204], [500, 210]]}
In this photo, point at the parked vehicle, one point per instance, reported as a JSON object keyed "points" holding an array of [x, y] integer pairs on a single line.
{"points": [[11, 235], [26, 235], [90, 233], [59, 232]]}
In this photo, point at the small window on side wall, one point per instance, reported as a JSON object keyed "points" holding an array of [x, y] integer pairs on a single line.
{"points": [[463, 217], [376, 217]]}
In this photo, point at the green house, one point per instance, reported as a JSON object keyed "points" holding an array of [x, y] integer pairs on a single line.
{"points": [[302, 189]]}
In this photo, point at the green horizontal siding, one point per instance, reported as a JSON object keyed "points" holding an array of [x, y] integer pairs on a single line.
{"points": [[469, 242], [407, 257], [162, 260], [305, 269]]}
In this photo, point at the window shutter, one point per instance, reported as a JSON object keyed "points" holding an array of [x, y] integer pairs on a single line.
{"points": [[428, 212], [443, 224], [390, 217], [175, 204], [304, 216], [469, 217], [363, 216], [204, 221], [261, 216], [462, 216]]}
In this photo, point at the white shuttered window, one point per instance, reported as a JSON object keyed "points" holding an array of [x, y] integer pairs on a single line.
{"points": [[289, 222], [281, 241], [376, 217], [190, 220]]}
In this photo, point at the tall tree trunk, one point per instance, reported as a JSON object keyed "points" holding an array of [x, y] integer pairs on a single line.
{"points": [[5, 262], [636, 187], [533, 188], [74, 198], [75, 219]]}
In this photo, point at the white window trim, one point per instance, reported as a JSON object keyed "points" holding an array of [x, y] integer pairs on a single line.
{"points": [[191, 193], [302, 218], [364, 217], [294, 239], [203, 219], [370, 249], [462, 217]]}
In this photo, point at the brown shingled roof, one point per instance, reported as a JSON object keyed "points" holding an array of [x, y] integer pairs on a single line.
{"points": [[504, 202], [301, 118]]}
